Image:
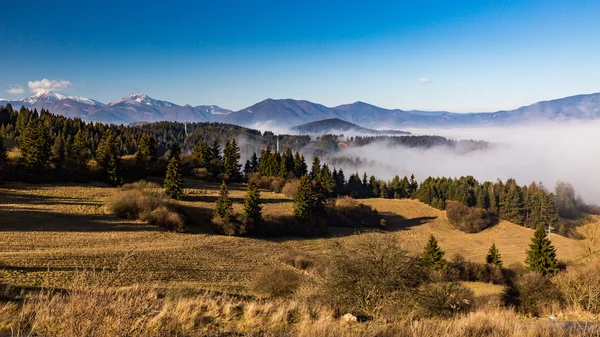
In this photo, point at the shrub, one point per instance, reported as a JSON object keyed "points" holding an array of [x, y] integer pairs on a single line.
{"points": [[532, 293], [125, 204], [276, 282], [291, 188], [467, 219], [369, 275], [201, 173], [445, 299], [463, 270], [297, 261], [166, 219], [145, 201], [580, 287]]}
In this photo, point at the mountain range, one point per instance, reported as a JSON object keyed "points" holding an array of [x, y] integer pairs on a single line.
{"points": [[289, 112]]}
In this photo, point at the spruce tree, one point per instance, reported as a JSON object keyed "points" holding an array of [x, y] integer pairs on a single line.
{"points": [[142, 156], [78, 153], [304, 202], [300, 168], [315, 168], [200, 155], [215, 164], [3, 152], [35, 146], [252, 208], [57, 156], [433, 256], [231, 160], [541, 256], [175, 150], [224, 205], [254, 163], [493, 256], [108, 158], [174, 180]]}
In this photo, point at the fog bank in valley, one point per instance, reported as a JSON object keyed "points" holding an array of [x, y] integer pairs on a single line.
{"points": [[544, 153]]}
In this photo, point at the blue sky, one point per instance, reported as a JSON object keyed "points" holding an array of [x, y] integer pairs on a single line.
{"points": [[431, 55]]}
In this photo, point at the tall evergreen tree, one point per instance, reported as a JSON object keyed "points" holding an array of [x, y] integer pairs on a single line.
{"points": [[254, 163], [3, 152], [433, 255], [175, 150], [493, 256], [413, 187], [315, 168], [142, 155], [215, 164], [57, 156], [78, 153], [174, 179], [224, 205], [107, 156], [231, 160], [35, 145], [541, 256], [305, 201], [252, 208], [200, 154], [300, 168]]}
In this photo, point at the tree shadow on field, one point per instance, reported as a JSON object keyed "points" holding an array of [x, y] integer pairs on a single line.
{"points": [[235, 200], [36, 199], [286, 227]]}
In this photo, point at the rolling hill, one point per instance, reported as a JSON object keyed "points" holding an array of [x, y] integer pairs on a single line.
{"points": [[336, 125]]}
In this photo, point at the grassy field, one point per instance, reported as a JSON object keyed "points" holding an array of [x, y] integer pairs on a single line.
{"points": [[50, 232]]}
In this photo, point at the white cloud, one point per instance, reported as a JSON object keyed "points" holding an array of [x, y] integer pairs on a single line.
{"points": [[425, 80], [47, 85], [15, 90]]}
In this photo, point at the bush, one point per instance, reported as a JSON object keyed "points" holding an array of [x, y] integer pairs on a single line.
{"points": [[276, 282], [463, 270], [348, 212], [291, 188], [580, 287], [165, 218], [145, 201], [445, 299], [297, 261], [201, 173], [370, 275], [467, 219], [532, 293]]}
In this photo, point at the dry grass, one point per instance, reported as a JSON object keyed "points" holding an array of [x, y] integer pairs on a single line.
{"points": [[51, 233]]}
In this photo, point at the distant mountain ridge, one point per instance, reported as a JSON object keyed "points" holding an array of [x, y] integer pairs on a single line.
{"points": [[290, 112], [336, 125]]}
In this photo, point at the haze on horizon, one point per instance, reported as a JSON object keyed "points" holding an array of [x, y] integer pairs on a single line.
{"points": [[460, 56]]}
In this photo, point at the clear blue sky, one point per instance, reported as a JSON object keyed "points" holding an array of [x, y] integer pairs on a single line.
{"points": [[472, 55]]}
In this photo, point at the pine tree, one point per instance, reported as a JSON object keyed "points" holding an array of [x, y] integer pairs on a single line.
{"points": [[142, 156], [433, 256], [252, 208], [541, 256], [254, 163], [108, 158], [413, 187], [78, 153], [35, 146], [175, 150], [300, 168], [200, 155], [215, 164], [3, 152], [224, 206], [231, 160], [57, 156], [304, 202], [174, 180], [493, 256], [315, 169]]}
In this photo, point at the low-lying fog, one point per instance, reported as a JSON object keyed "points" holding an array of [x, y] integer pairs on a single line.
{"points": [[546, 153]]}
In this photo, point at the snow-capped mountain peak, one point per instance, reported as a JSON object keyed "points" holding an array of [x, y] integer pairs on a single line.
{"points": [[54, 97], [143, 99]]}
